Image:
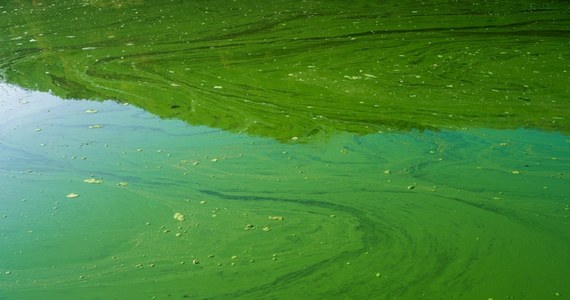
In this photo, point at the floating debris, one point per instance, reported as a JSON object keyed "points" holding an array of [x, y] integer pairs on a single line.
{"points": [[72, 195], [249, 227], [195, 261], [276, 218], [96, 126], [516, 172], [38, 130], [179, 216], [203, 202], [411, 187], [93, 181], [266, 228], [123, 183], [91, 111]]}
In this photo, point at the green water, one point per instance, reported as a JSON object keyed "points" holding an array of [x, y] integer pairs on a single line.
{"points": [[405, 150]]}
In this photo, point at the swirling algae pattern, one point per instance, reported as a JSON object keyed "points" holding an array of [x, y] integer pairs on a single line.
{"points": [[466, 197], [447, 218]]}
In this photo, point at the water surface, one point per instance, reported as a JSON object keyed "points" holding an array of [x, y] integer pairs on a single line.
{"points": [[316, 150]]}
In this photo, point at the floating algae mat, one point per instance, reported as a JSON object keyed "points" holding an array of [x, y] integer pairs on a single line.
{"points": [[284, 150]]}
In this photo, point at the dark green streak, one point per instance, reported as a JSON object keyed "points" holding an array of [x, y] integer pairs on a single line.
{"points": [[301, 70]]}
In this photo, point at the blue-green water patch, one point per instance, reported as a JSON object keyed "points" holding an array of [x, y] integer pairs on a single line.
{"points": [[449, 214]]}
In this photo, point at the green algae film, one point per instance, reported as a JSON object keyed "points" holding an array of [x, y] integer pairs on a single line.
{"points": [[426, 154], [473, 214], [285, 69]]}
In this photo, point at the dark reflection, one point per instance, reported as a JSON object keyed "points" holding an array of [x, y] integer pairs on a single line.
{"points": [[291, 70]]}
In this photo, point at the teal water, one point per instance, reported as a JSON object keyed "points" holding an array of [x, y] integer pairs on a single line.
{"points": [[469, 228], [315, 151]]}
